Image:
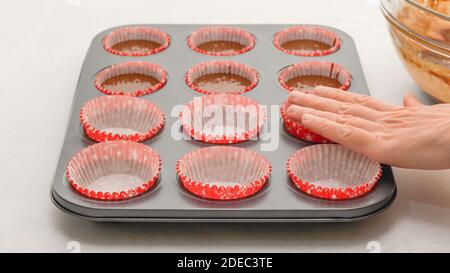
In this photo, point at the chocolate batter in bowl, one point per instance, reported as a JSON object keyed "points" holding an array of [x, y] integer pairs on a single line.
{"points": [[219, 77], [420, 30]]}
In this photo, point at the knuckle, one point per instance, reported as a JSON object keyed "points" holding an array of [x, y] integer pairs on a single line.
{"points": [[361, 99], [344, 108], [348, 133]]}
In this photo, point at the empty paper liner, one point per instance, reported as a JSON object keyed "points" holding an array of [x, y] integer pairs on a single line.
{"points": [[222, 119], [221, 41], [297, 130], [109, 118], [134, 78], [307, 75], [114, 170], [331, 171], [220, 76], [309, 41], [136, 41], [223, 172]]}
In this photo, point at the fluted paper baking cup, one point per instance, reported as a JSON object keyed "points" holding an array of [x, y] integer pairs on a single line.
{"points": [[328, 70], [310, 34], [297, 130], [218, 85], [110, 118], [222, 119], [143, 41], [114, 170], [221, 41], [331, 171], [132, 69], [223, 172]]}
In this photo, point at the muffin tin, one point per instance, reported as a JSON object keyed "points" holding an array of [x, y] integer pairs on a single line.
{"points": [[166, 200]]}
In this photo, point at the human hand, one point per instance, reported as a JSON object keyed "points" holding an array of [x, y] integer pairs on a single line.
{"points": [[414, 136]]}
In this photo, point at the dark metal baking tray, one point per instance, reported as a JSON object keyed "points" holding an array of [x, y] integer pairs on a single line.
{"points": [[279, 201]]}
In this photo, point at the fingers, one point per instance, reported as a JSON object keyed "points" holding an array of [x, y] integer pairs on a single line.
{"points": [[343, 96], [353, 138], [410, 100], [295, 112], [331, 105]]}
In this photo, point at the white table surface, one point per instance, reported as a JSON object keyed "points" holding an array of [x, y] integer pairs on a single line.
{"points": [[42, 47]]}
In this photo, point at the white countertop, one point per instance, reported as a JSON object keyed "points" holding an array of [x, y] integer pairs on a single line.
{"points": [[42, 47]]}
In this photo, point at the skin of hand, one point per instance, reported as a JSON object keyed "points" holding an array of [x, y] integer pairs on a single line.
{"points": [[412, 136]]}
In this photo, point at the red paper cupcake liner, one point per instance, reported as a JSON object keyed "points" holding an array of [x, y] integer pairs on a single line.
{"points": [[132, 67], [221, 66], [223, 172], [307, 33], [315, 68], [114, 170], [111, 118], [220, 33], [297, 130], [200, 119], [319, 170], [136, 33]]}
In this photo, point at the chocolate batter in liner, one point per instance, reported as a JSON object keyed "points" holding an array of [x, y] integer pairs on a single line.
{"points": [[219, 77], [307, 75], [135, 78], [307, 41], [221, 41], [136, 41]]}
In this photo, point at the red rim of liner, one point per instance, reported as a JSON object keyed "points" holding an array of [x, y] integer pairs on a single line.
{"points": [[133, 33], [188, 117], [220, 33], [333, 193], [307, 32], [134, 112], [297, 130], [315, 68], [221, 66], [84, 167], [207, 159], [137, 67]]}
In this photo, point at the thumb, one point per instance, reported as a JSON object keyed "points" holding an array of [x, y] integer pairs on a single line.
{"points": [[410, 100]]}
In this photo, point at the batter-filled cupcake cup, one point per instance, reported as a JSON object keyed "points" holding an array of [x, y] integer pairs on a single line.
{"points": [[114, 170], [223, 172], [297, 130], [134, 78], [331, 171], [222, 119], [221, 41], [307, 41], [110, 118], [218, 77], [136, 41], [307, 75]]}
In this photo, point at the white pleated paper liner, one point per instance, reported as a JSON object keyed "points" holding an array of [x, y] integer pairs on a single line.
{"points": [[223, 172], [331, 171], [311, 33], [136, 33], [108, 118], [114, 170], [315, 68], [128, 68], [219, 34], [222, 119], [222, 67]]}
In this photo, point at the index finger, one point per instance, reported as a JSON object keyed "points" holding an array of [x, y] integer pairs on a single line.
{"points": [[344, 96]]}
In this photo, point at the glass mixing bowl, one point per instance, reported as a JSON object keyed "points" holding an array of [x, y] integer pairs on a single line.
{"points": [[420, 30]]}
